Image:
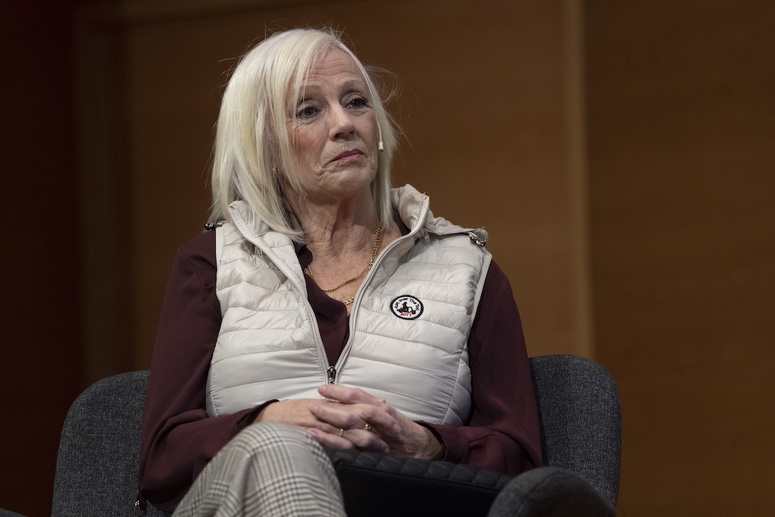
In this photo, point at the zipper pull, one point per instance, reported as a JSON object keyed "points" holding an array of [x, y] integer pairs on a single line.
{"points": [[331, 372]]}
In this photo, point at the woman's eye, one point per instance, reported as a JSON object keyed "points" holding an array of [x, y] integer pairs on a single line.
{"points": [[306, 112], [357, 103]]}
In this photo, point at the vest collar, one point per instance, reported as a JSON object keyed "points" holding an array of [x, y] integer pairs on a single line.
{"points": [[413, 208]]}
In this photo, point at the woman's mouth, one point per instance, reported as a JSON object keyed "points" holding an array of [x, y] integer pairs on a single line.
{"points": [[347, 156]]}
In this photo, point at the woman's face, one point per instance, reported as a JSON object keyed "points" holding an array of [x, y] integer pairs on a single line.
{"points": [[333, 131]]}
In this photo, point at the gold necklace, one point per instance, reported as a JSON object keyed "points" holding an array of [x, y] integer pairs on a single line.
{"points": [[374, 253]]}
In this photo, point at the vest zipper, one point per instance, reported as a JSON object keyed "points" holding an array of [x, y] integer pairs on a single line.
{"points": [[331, 372]]}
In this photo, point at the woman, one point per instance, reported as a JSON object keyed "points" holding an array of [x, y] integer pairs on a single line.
{"points": [[326, 309]]}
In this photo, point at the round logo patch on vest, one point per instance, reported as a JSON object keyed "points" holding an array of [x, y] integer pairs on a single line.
{"points": [[406, 307]]}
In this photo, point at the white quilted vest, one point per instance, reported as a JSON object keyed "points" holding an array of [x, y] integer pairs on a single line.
{"points": [[409, 323]]}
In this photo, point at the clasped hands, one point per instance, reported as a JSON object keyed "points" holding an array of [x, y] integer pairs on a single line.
{"points": [[350, 418]]}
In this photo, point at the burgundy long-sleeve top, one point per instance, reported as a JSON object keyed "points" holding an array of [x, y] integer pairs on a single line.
{"points": [[179, 437]]}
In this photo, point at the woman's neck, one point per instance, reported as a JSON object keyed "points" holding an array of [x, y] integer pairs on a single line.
{"points": [[337, 228]]}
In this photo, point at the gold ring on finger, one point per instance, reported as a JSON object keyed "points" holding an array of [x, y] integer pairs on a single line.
{"points": [[340, 433], [368, 427]]}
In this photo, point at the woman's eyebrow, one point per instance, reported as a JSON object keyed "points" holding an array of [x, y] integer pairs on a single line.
{"points": [[310, 89], [354, 84]]}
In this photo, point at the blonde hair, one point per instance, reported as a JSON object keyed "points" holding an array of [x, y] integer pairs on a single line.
{"points": [[253, 153]]}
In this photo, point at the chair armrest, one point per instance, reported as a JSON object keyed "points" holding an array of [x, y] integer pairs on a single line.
{"points": [[550, 492], [382, 485]]}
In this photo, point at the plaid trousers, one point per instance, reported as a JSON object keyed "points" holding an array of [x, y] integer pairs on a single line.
{"points": [[269, 470]]}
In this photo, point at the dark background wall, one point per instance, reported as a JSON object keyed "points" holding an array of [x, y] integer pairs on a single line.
{"points": [[620, 154], [40, 372]]}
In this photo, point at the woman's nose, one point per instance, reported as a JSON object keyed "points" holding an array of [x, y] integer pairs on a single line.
{"points": [[342, 124]]}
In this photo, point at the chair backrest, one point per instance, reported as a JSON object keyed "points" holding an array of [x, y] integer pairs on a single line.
{"points": [[96, 471], [97, 464], [578, 406]]}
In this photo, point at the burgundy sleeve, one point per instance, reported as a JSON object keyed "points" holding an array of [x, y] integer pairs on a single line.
{"points": [[503, 430], [178, 437]]}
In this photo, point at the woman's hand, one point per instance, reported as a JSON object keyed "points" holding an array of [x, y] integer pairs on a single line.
{"points": [[388, 430], [296, 412]]}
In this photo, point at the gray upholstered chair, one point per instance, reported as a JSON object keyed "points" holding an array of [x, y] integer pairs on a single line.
{"points": [[580, 420]]}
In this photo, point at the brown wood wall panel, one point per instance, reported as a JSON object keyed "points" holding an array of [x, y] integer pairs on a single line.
{"points": [[682, 198]]}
